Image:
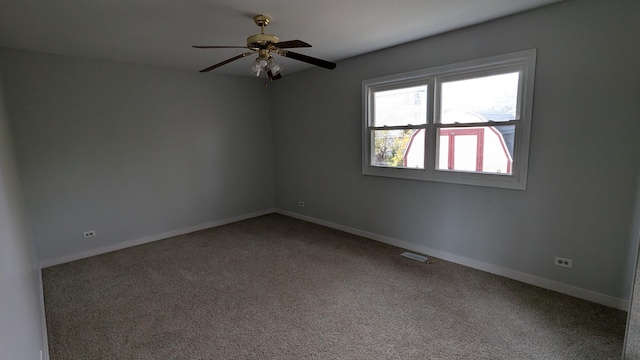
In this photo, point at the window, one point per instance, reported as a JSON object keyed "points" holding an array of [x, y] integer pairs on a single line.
{"points": [[466, 123]]}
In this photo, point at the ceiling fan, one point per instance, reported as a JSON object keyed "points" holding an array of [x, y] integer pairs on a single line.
{"points": [[266, 45]]}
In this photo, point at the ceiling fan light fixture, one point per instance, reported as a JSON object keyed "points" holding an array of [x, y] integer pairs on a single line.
{"points": [[273, 66], [263, 65], [259, 66]]}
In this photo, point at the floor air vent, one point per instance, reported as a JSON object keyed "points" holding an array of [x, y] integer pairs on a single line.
{"points": [[415, 256]]}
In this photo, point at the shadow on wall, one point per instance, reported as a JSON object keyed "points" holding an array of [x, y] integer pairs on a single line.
{"points": [[22, 326]]}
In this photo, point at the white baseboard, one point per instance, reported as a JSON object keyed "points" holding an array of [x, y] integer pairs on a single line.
{"points": [[44, 355], [125, 244], [589, 295]]}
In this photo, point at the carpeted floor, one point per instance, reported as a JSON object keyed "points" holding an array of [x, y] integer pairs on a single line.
{"points": [[274, 287]]}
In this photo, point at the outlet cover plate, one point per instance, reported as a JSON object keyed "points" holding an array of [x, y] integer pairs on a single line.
{"points": [[564, 262]]}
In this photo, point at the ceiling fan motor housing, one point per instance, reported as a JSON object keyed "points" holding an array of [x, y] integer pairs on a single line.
{"points": [[261, 41]]}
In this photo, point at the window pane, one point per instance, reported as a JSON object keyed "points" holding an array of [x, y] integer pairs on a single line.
{"points": [[482, 149], [398, 148], [508, 133], [406, 106], [489, 98]]}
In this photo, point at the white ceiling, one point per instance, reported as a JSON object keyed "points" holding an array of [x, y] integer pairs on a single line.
{"points": [[161, 32]]}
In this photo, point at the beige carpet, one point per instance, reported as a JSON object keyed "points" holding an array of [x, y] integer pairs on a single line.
{"points": [[274, 287]]}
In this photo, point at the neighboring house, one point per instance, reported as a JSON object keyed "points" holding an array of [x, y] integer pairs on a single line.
{"points": [[475, 149]]}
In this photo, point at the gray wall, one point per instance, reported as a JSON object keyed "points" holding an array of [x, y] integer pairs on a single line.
{"points": [[583, 160], [133, 151], [21, 327]]}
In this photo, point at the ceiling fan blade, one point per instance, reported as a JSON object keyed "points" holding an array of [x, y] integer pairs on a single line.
{"points": [[291, 44], [219, 47], [308, 59], [226, 61]]}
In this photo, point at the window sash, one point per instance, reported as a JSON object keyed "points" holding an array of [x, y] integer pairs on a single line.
{"points": [[395, 86], [372, 151], [478, 73], [484, 142]]}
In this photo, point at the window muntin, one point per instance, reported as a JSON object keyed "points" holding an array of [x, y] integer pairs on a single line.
{"points": [[473, 128]]}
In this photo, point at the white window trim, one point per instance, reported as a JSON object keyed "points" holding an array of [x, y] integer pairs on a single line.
{"points": [[524, 60]]}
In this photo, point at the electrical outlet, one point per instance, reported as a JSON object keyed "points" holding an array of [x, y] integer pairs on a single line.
{"points": [[301, 203], [563, 262], [88, 234]]}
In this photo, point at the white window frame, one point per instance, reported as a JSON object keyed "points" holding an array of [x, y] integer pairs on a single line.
{"points": [[523, 61]]}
